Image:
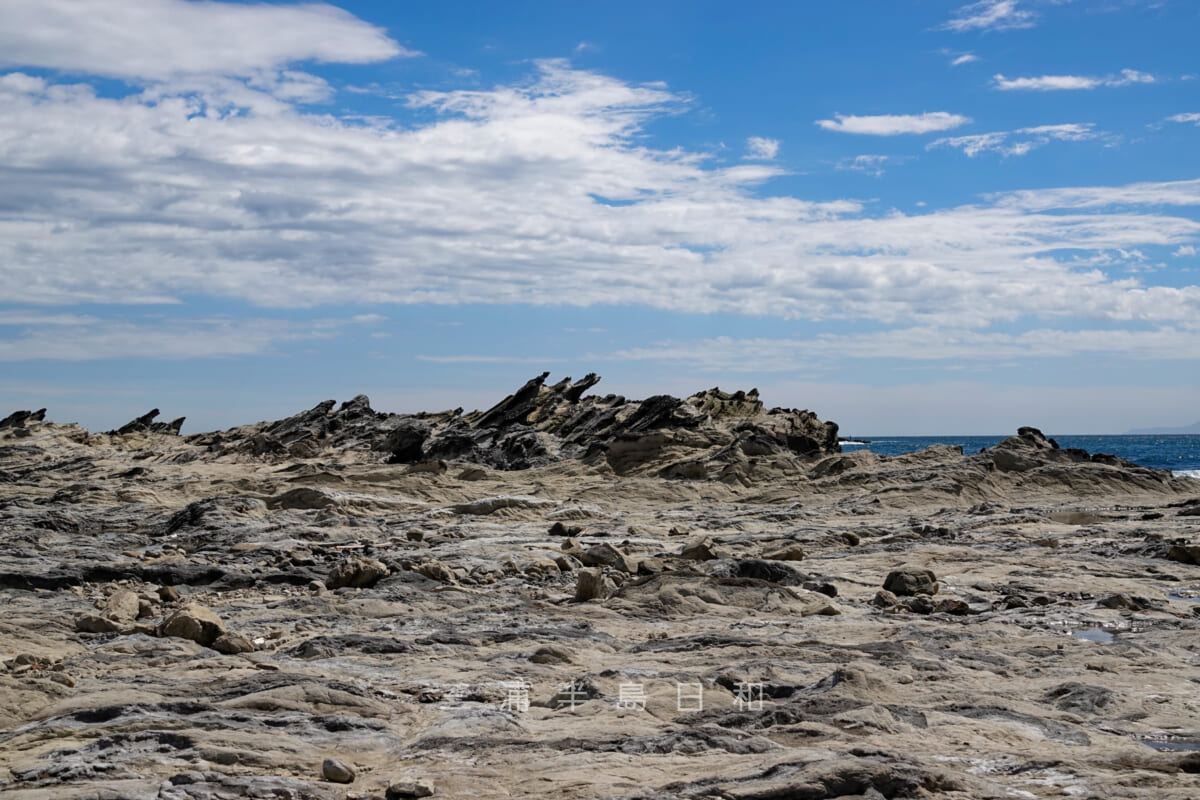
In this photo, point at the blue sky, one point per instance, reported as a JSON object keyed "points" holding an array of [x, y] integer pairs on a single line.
{"points": [[913, 217]]}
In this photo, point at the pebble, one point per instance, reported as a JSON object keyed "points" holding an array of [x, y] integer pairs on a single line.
{"points": [[337, 771]]}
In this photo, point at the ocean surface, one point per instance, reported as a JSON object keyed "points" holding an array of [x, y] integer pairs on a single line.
{"points": [[1180, 453]]}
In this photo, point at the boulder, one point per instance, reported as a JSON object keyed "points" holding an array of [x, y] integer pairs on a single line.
{"points": [[910, 581], [336, 771], [791, 552], [193, 622], [1184, 553], [94, 623], [122, 606], [605, 555], [402, 790], [592, 584], [231, 643], [700, 548], [358, 572]]}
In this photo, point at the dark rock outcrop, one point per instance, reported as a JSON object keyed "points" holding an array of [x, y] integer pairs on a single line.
{"points": [[146, 424], [18, 419]]}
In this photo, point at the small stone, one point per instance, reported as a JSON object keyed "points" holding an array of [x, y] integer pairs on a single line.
{"points": [[357, 572], [911, 581], [435, 571], [145, 609], [850, 538], [700, 548], [122, 606], [605, 555], [948, 606], [193, 622], [827, 589], [337, 772], [400, 790], [94, 623], [317, 588], [592, 584], [791, 552], [920, 604], [231, 643], [552, 654], [168, 594], [885, 599], [650, 566], [558, 529]]}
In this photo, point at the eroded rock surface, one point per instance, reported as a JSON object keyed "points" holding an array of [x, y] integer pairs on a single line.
{"points": [[571, 596]]}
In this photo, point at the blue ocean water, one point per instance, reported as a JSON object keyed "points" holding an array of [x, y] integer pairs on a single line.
{"points": [[1180, 454]]}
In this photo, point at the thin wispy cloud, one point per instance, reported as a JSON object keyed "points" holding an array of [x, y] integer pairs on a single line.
{"points": [[920, 344], [990, 15], [965, 58], [868, 163], [758, 147], [1054, 83], [1185, 118], [894, 124], [1018, 142]]}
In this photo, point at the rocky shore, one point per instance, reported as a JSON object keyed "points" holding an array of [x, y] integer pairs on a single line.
{"points": [[572, 595]]}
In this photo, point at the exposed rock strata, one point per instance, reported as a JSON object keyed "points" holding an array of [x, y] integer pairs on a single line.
{"points": [[462, 605]]}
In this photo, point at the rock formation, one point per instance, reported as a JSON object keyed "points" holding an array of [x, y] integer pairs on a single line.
{"points": [[579, 596]]}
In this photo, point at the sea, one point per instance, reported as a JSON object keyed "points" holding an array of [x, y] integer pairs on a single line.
{"points": [[1178, 453]]}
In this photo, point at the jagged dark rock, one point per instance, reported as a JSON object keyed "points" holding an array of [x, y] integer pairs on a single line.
{"points": [[18, 419], [146, 424]]}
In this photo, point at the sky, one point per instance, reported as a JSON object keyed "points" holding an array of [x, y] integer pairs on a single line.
{"points": [[912, 217]]}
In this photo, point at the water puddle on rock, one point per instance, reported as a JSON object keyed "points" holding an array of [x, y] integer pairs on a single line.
{"points": [[1097, 635], [1186, 597], [1171, 745]]}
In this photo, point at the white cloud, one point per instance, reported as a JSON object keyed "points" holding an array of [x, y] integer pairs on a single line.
{"points": [[990, 15], [584, 47], [539, 193], [1194, 117], [1018, 142], [1051, 83], [921, 344], [870, 164], [965, 58], [161, 39], [760, 148], [894, 124], [1185, 250]]}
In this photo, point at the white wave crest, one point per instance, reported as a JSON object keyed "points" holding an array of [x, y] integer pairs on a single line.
{"points": [[1188, 473]]}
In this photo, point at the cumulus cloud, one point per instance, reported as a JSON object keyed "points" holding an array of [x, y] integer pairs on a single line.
{"points": [[990, 15], [543, 192], [1185, 251], [156, 40], [894, 124], [1018, 142], [1193, 117], [760, 148], [1052, 83]]}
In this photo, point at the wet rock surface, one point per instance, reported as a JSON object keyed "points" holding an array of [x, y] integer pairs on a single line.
{"points": [[588, 597]]}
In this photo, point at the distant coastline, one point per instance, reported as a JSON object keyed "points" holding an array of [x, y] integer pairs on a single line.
{"points": [[1165, 431]]}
